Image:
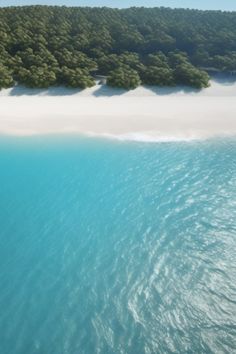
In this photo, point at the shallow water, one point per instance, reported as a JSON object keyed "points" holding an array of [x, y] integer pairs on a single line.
{"points": [[115, 247]]}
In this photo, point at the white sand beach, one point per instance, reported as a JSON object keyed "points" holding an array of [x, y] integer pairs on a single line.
{"points": [[143, 114]]}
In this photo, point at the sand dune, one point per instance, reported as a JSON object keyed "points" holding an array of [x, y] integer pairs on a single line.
{"points": [[142, 114]]}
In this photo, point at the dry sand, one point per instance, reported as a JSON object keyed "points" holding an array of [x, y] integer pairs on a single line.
{"points": [[141, 114]]}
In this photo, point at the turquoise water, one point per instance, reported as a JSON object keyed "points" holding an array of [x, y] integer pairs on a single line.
{"points": [[110, 247]]}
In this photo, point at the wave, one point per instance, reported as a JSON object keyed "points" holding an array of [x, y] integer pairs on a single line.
{"points": [[146, 137]]}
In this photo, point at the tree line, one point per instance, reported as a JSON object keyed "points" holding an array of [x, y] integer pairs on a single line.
{"points": [[42, 46]]}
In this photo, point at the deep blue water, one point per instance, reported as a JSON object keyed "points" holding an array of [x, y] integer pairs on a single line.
{"points": [[109, 247]]}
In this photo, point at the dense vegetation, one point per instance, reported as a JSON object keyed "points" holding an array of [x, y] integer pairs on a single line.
{"points": [[41, 46]]}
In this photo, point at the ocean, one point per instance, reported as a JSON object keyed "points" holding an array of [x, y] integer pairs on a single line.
{"points": [[116, 247]]}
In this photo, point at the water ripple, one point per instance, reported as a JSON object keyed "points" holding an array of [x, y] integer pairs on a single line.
{"points": [[117, 248]]}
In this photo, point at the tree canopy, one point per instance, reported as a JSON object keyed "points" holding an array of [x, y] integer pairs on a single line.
{"points": [[41, 46], [124, 77]]}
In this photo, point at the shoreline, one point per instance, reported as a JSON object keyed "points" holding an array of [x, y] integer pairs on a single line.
{"points": [[144, 114]]}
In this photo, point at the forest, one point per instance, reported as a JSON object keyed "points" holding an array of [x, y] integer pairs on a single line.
{"points": [[42, 46]]}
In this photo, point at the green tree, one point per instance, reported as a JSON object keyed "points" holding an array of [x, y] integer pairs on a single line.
{"points": [[75, 59], [187, 74], [124, 77], [41, 77], [76, 78], [159, 60], [156, 43], [6, 79], [153, 75]]}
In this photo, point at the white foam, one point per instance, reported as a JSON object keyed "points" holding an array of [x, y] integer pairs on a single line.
{"points": [[146, 137]]}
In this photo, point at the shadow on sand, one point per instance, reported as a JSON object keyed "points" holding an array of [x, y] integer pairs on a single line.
{"points": [[107, 91], [52, 91], [96, 91], [224, 79], [163, 91]]}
